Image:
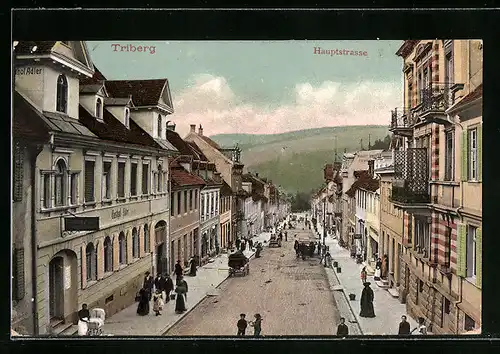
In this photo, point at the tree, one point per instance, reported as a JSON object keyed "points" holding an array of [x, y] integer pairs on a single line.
{"points": [[301, 202], [382, 144]]}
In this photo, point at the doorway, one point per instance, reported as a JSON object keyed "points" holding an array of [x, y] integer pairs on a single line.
{"points": [[56, 288], [160, 259]]}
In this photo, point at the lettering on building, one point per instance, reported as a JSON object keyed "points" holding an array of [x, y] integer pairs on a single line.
{"points": [[28, 71], [119, 213]]}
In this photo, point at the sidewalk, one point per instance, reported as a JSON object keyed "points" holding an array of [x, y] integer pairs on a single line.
{"points": [[205, 283], [388, 310]]}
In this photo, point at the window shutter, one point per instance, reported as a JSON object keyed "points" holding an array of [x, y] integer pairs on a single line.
{"points": [[462, 250], [89, 181], [480, 153], [479, 257], [18, 273], [464, 162], [18, 173]]}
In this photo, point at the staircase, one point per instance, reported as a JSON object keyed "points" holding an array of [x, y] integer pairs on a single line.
{"points": [[394, 292], [61, 329], [382, 283]]}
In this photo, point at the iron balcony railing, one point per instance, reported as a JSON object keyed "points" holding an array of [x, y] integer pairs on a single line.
{"points": [[401, 118], [411, 176], [438, 96]]}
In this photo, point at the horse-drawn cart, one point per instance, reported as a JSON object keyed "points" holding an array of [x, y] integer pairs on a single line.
{"points": [[238, 264]]}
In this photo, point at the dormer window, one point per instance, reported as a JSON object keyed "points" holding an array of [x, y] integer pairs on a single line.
{"points": [[127, 118], [98, 108], [159, 126], [62, 94]]}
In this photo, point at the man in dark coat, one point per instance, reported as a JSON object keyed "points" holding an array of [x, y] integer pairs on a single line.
{"points": [[169, 286], [404, 327], [238, 243], [160, 282], [366, 302], [342, 329], [148, 285], [178, 271]]}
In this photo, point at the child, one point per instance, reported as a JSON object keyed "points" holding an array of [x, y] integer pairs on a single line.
{"points": [[363, 275], [158, 302], [242, 325]]}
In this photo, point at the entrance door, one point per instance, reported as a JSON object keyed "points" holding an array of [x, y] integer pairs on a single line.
{"points": [[56, 288], [160, 259]]}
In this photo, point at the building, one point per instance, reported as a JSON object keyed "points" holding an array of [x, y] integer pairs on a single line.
{"points": [[437, 182], [97, 183], [227, 162], [391, 222], [256, 206]]}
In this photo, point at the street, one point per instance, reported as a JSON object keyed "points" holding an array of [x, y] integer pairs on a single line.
{"points": [[292, 296]]}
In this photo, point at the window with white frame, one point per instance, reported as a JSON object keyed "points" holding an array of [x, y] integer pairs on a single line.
{"points": [[159, 126], [196, 199], [121, 179], [89, 181], [73, 181], [473, 156], [106, 180], [191, 199], [91, 258], [62, 94], [60, 185], [202, 207], [471, 251], [133, 179], [449, 157], [98, 108], [47, 190], [422, 236], [145, 178], [159, 176]]}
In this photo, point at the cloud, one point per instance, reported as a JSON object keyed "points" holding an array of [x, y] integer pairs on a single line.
{"points": [[210, 101]]}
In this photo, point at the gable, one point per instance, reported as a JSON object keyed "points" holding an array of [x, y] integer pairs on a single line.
{"points": [[75, 51], [166, 97]]}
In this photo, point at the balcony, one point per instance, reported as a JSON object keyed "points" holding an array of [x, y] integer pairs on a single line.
{"points": [[435, 99], [410, 186], [402, 121]]}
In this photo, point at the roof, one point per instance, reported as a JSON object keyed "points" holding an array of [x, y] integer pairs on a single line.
{"points": [[144, 92], [27, 122], [225, 190], [179, 143], [210, 142], [406, 48], [92, 88], [112, 101], [180, 178], [472, 96], [112, 129], [42, 47], [198, 153], [363, 181], [97, 78]]}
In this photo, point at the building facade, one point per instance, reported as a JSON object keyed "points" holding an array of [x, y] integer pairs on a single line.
{"points": [[96, 204], [437, 182]]}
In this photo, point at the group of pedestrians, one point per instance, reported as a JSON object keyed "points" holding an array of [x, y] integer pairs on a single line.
{"points": [[243, 324]]}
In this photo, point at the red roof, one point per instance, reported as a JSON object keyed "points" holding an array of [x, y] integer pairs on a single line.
{"points": [[181, 178], [364, 181], [144, 92]]}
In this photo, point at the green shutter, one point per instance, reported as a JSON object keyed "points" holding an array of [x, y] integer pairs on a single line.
{"points": [[479, 257], [461, 250], [480, 153], [464, 162]]}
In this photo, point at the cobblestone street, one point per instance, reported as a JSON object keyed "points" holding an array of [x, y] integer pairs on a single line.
{"points": [[292, 296]]}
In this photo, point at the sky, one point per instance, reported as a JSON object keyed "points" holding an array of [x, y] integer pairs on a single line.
{"points": [[264, 87]]}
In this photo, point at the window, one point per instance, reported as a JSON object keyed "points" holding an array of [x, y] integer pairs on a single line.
{"points": [[60, 184], [160, 179], [185, 201], [196, 199], [159, 126], [74, 188], [202, 207], [179, 202], [146, 238], [135, 243], [127, 118], [89, 181], [106, 180], [122, 242], [91, 258], [62, 94], [191, 199], [448, 68], [46, 190], [469, 323], [98, 108], [172, 205], [145, 178], [121, 179], [422, 236], [410, 89], [471, 251], [446, 305], [472, 158], [447, 254], [133, 179], [449, 158], [17, 173], [108, 255]]}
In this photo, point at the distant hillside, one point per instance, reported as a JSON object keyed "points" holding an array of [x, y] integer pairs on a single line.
{"points": [[296, 159]]}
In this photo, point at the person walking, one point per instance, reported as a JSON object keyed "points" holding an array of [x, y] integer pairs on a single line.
{"points": [[143, 306], [242, 325], [169, 287], [148, 285], [257, 325], [178, 271], [342, 329], [286, 236], [404, 327], [181, 298], [158, 302], [422, 329], [364, 275], [83, 320], [366, 302]]}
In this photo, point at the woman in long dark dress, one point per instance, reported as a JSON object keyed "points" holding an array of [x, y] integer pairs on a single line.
{"points": [[181, 297], [192, 267], [366, 302], [143, 307]]}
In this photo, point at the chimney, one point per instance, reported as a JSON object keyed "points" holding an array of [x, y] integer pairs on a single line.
{"points": [[193, 128], [256, 174], [200, 130], [370, 167]]}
